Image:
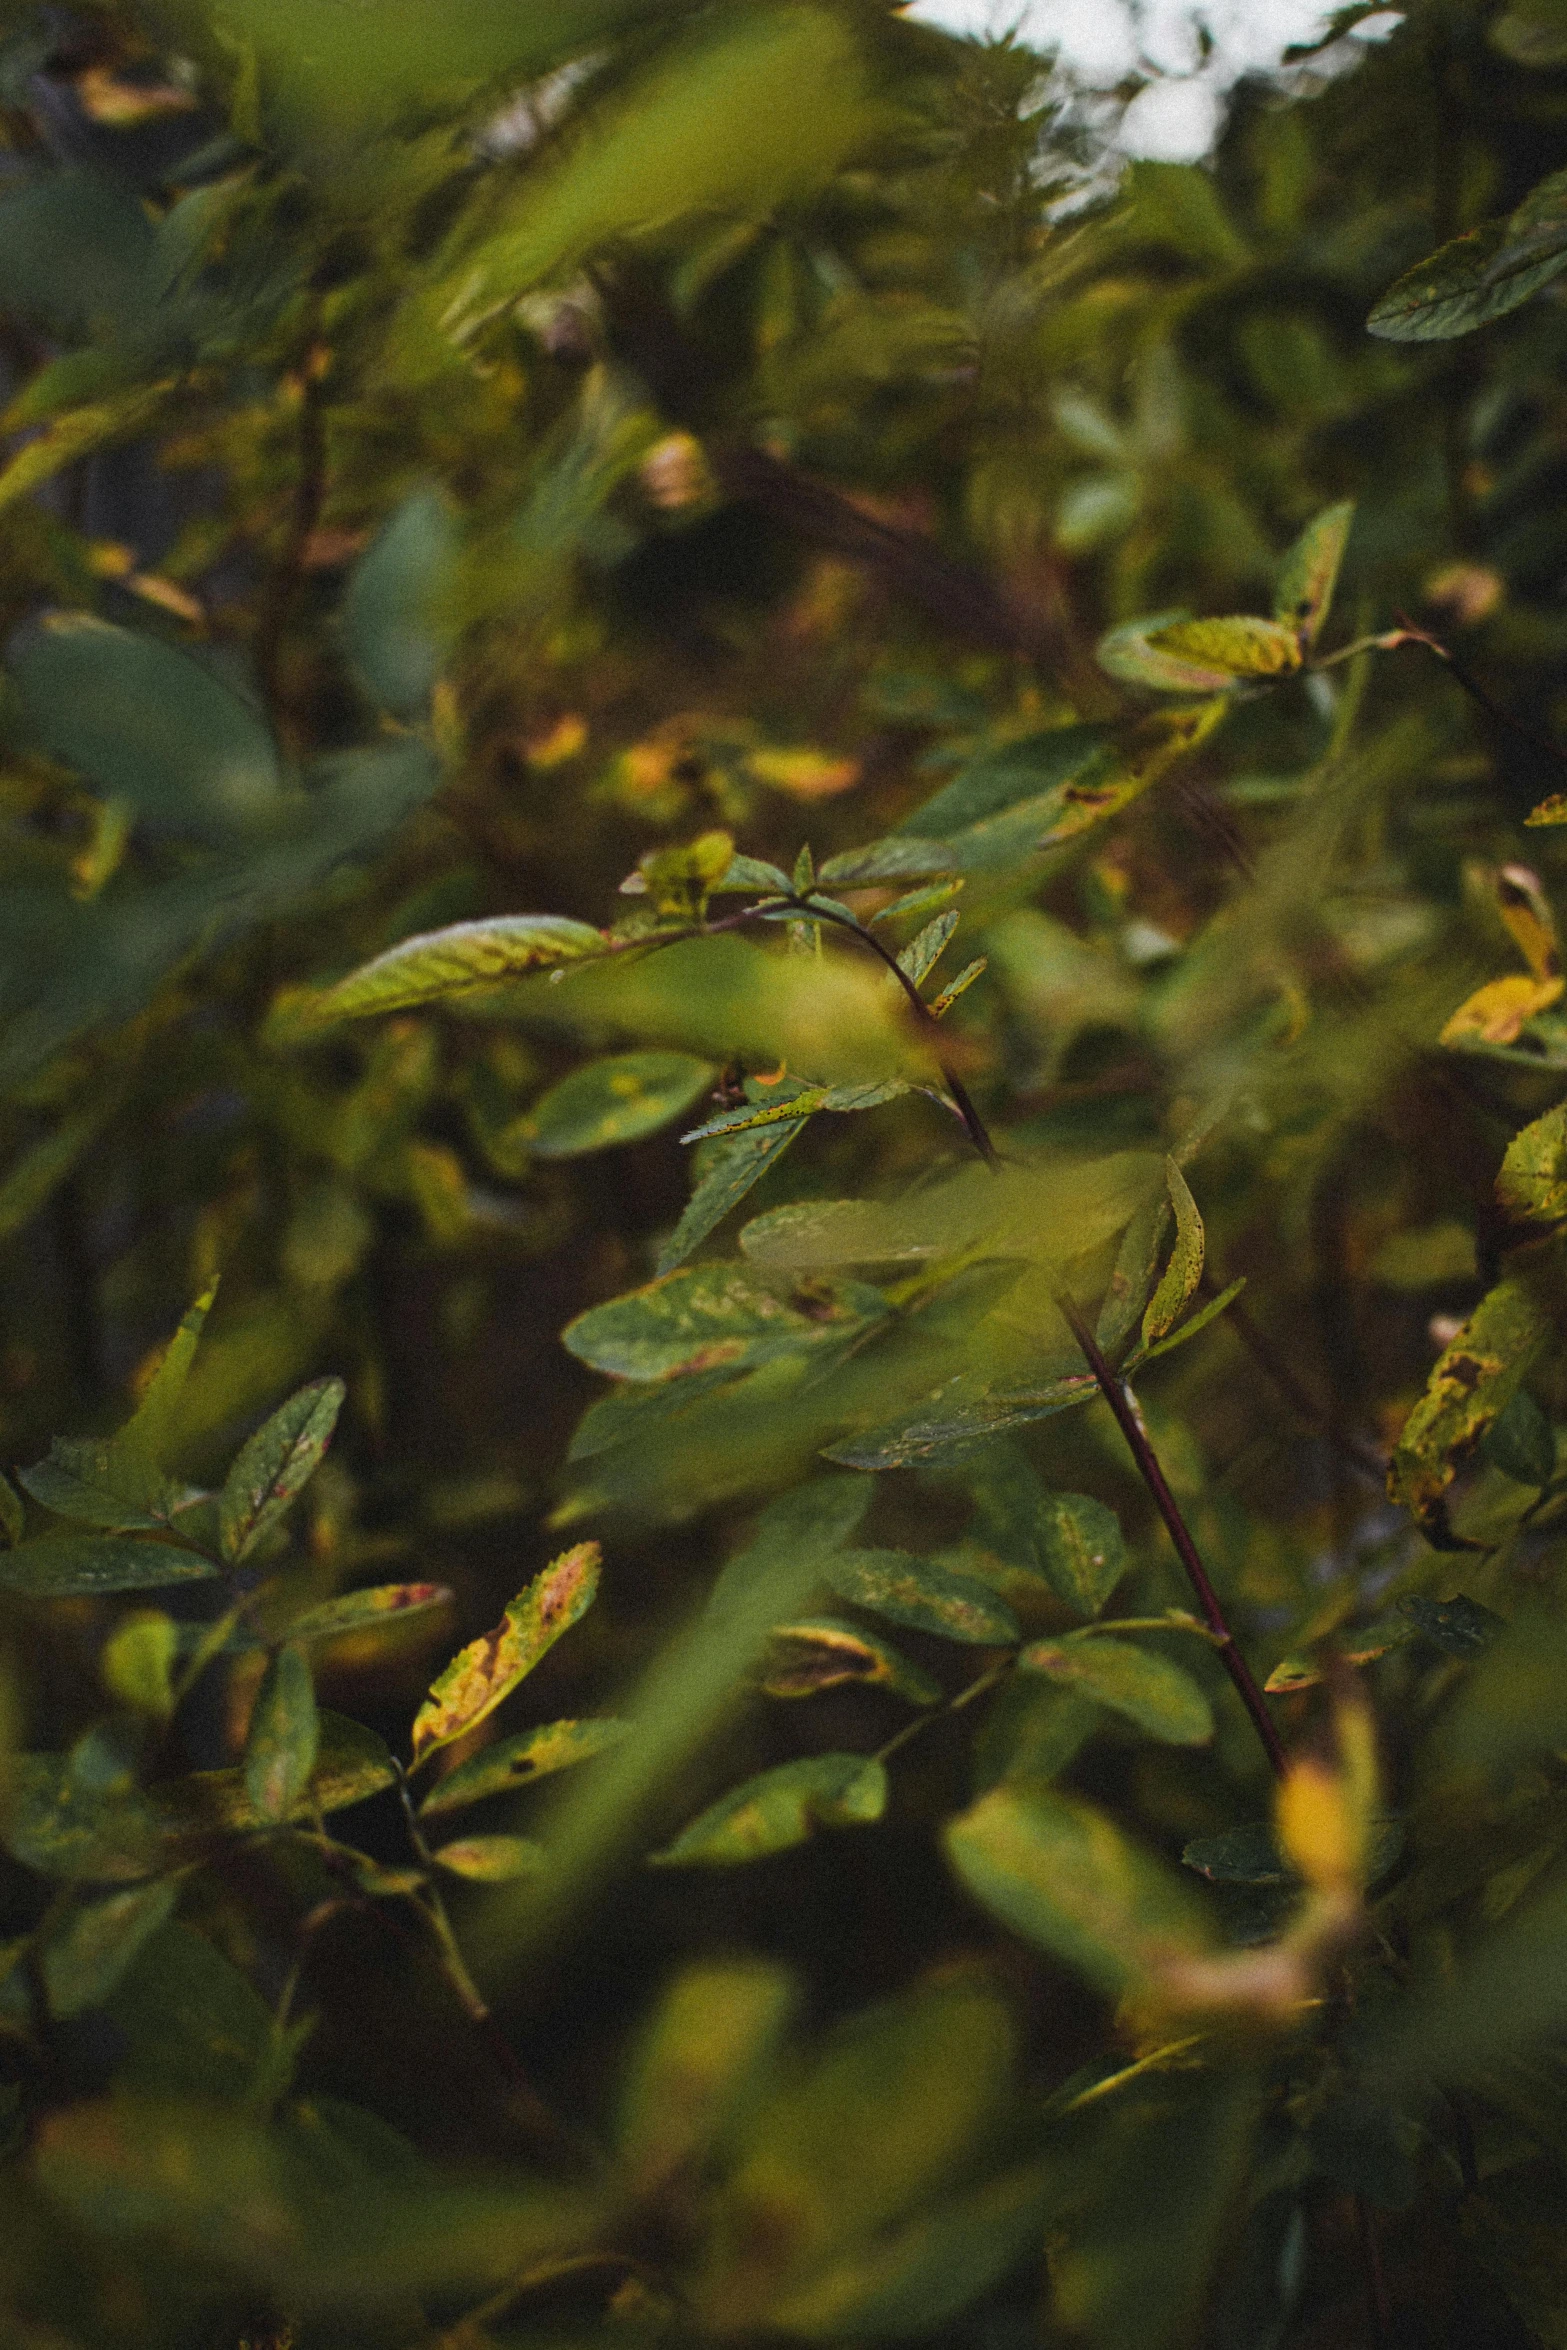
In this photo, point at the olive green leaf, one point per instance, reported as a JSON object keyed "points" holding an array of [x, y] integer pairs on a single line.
{"points": [[1532, 1184], [1309, 573], [824, 1652], [280, 1749], [612, 1101], [1475, 1378], [902, 856], [88, 1566], [13, 1517], [1521, 1442], [449, 966], [1060, 1873], [396, 627], [1147, 1689], [707, 1315], [697, 2058], [780, 1808], [85, 1957], [1081, 1550], [481, 1675], [1130, 653], [137, 1664], [382, 1608], [492, 1860], [517, 1762], [1178, 1285], [118, 1482], [1480, 275], [927, 1598], [275, 1466], [352, 1763], [731, 1166], [1241, 646], [919, 958]]}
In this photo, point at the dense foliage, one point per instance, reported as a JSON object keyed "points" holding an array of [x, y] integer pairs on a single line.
{"points": [[810, 881]]}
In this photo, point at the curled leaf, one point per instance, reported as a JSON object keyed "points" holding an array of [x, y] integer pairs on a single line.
{"points": [[824, 1652]]}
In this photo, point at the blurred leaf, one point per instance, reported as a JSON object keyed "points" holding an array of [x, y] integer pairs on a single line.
{"points": [[148, 725], [1080, 1549], [1532, 32], [64, 1822], [13, 1518], [1239, 647], [1521, 1442], [1178, 1284], [137, 1665], [75, 254], [606, 1103], [1148, 1689], [925, 1597], [1309, 573], [35, 1176], [1240, 1856], [1513, 1705], [381, 1608], [86, 1957], [780, 1808], [275, 1467], [484, 1673], [824, 1652], [1460, 1627], [697, 2059], [1496, 1012], [708, 1315], [1474, 1380], [394, 624], [999, 779], [492, 1860], [518, 1761], [1502, 1994], [1061, 1874], [193, 2023], [280, 1750]]}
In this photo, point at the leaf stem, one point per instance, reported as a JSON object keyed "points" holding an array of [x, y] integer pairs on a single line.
{"points": [[954, 1705], [1129, 1420]]}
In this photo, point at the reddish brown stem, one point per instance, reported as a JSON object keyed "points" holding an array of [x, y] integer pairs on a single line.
{"points": [[1130, 1424]]}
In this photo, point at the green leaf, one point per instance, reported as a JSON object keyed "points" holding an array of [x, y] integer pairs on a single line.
{"points": [[734, 119], [824, 1652], [751, 876], [901, 857], [280, 1750], [1240, 646], [925, 1597], [138, 1660], [1521, 1442], [1532, 1185], [1475, 1378], [13, 1518], [1309, 573], [780, 1808], [89, 1566], [803, 1103], [101, 1482], [1060, 1873], [731, 1167], [86, 1957], [1512, 1707], [492, 1860], [920, 957], [395, 624], [1459, 1627], [965, 1418], [65, 1820], [1000, 779], [1481, 275], [75, 254], [517, 1762], [1532, 33], [697, 2062], [1080, 1550], [149, 725], [193, 2023], [153, 1427], [614, 1101], [1148, 1689], [1240, 1856], [384, 1607], [484, 1673], [1193, 1325], [1130, 654], [275, 1467], [1178, 1286], [352, 1763], [449, 966], [1504, 1994], [707, 1315]]}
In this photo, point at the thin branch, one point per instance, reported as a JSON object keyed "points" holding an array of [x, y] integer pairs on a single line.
{"points": [[1129, 1420]]}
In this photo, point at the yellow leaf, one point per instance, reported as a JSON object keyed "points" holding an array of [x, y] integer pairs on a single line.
{"points": [[1495, 1013], [805, 774], [1521, 903], [489, 1669]]}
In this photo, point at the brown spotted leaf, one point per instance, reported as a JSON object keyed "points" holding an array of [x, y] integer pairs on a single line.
{"points": [[489, 1669], [1472, 1382]]}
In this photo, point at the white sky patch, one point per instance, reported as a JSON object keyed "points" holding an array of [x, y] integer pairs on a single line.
{"points": [[1190, 53]]}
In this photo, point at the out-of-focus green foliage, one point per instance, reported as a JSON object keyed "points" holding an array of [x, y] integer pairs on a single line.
{"points": [[792, 875]]}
